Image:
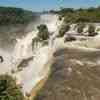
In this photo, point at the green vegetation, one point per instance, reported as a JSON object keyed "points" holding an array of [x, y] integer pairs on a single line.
{"points": [[42, 36], [9, 90], [43, 33], [80, 27], [10, 15], [91, 30], [64, 28], [80, 15]]}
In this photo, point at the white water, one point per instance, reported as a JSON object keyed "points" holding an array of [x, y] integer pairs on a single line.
{"points": [[36, 69]]}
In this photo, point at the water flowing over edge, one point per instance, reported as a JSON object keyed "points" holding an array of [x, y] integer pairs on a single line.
{"points": [[41, 55]]}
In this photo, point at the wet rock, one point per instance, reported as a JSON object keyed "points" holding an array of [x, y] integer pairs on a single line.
{"points": [[69, 38], [93, 34], [1, 59], [24, 63]]}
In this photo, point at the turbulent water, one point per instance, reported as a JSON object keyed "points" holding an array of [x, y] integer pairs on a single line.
{"points": [[37, 60], [35, 69]]}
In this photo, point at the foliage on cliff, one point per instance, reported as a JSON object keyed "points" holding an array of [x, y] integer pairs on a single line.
{"points": [[43, 33]]}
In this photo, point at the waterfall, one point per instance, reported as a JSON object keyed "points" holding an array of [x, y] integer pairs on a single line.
{"points": [[36, 59], [36, 70]]}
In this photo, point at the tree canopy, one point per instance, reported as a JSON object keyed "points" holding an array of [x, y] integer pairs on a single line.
{"points": [[11, 15], [80, 15]]}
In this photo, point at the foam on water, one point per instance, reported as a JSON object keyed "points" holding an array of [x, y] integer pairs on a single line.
{"points": [[36, 69]]}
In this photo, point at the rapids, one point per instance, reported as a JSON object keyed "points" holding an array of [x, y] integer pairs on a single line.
{"points": [[36, 68]]}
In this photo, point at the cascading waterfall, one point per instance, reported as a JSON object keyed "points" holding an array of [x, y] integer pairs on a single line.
{"points": [[35, 70], [37, 58]]}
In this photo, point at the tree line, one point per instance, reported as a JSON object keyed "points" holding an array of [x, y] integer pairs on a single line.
{"points": [[71, 15], [11, 15]]}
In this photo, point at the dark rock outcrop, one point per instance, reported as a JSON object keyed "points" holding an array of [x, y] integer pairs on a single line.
{"points": [[1, 59]]}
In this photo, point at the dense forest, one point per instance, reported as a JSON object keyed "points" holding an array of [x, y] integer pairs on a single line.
{"points": [[72, 15], [11, 15]]}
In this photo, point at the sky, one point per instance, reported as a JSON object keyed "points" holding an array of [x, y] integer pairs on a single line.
{"points": [[40, 5]]}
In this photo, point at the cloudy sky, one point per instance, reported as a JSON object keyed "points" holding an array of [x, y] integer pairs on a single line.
{"points": [[39, 5]]}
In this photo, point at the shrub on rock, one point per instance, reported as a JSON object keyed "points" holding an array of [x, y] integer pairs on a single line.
{"points": [[80, 28], [91, 29], [43, 33], [63, 30]]}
